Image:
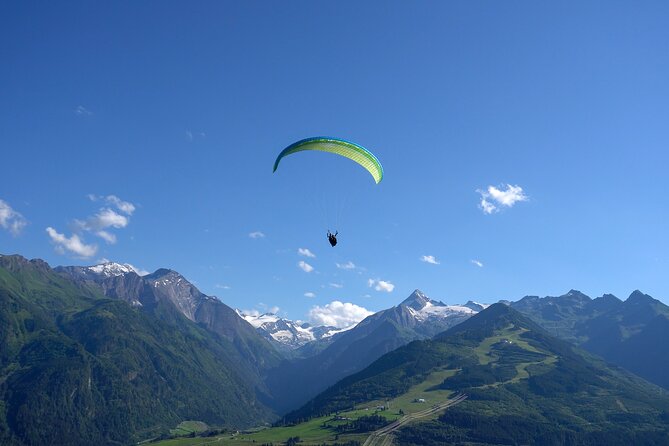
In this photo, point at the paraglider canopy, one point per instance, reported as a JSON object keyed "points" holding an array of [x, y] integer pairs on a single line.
{"points": [[337, 146]]}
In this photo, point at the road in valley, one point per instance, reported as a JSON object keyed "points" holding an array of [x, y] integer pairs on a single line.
{"points": [[383, 437]]}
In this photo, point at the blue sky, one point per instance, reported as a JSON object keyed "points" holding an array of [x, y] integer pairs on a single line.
{"points": [[179, 110]]}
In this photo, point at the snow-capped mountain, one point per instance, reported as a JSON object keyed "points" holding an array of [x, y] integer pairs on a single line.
{"points": [[424, 309], [417, 317], [98, 272], [110, 269], [286, 333]]}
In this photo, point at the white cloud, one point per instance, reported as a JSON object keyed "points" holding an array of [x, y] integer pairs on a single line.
{"points": [[381, 285], [336, 285], [124, 206], [429, 259], [305, 252], [107, 236], [190, 136], [139, 271], [106, 218], [347, 265], [338, 314], [82, 111], [256, 234], [309, 294], [305, 266], [477, 263], [98, 223], [72, 244], [487, 207], [254, 313], [222, 287], [492, 198], [11, 220]]}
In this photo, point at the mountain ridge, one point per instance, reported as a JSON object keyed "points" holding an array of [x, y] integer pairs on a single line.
{"points": [[524, 386]]}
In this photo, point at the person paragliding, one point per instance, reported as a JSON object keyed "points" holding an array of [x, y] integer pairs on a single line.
{"points": [[340, 147], [332, 238]]}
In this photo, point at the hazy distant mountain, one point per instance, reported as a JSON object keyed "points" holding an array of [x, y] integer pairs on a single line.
{"points": [[78, 368], [523, 385], [417, 317], [286, 334], [625, 333]]}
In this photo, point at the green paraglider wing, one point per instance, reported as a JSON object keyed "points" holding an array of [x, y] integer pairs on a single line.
{"points": [[337, 146]]}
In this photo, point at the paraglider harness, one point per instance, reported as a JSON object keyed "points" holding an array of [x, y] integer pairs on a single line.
{"points": [[332, 238]]}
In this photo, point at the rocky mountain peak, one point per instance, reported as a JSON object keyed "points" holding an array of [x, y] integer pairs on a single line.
{"points": [[417, 300], [637, 297], [576, 295]]}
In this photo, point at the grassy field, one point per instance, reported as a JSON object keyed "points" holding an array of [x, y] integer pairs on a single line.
{"points": [[188, 427], [322, 430], [486, 355]]}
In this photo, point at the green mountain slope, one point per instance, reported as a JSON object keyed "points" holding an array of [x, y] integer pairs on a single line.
{"points": [[78, 369], [625, 333], [296, 381], [523, 385]]}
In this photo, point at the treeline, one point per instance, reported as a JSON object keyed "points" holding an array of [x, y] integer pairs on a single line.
{"points": [[363, 424]]}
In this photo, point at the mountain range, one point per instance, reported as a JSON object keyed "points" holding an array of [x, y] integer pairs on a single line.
{"points": [[77, 367], [108, 356], [287, 335], [626, 333], [417, 317], [523, 386]]}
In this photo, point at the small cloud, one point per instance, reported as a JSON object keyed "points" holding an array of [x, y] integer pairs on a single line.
{"points": [[309, 294], [256, 234], [305, 252], [264, 308], [99, 222], [429, 259], [254, 313], [124, 206], [477, 263], [82, 111], [222, 287], [338, 314], [72, 244], [336, 285], [487, 207], [381, 285], [107, 236], [348, 265], [11, 220], [139, 271], [492, 198], [304, 266], [107, 217], [191, 136]]}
